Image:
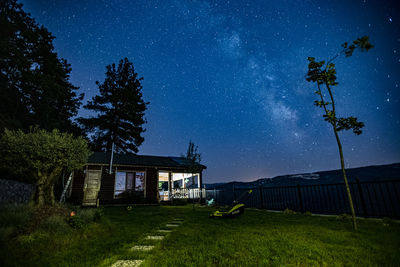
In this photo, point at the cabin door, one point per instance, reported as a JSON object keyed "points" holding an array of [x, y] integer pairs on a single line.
{"points": [[91, 187]]}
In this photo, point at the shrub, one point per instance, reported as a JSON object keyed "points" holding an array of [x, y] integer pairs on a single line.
{"points": [[343, 217], [55, 223], [387, 221], [76, 222], [89, 215], [308, 213], [98, 214], [85, 216], [289, 211]]}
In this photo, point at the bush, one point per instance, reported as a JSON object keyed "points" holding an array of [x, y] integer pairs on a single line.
{"points": [[289, 211], [14, 215], [343, 217], [98, 214], [76, 222], [85, 216], [89, 215], [55, 223], [308, 213], [387, 221]]}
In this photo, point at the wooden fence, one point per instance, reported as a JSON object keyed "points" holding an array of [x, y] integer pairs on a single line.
{"points": [[371, 199]]}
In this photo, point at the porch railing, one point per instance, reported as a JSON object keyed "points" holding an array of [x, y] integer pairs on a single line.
{"points": [[190, 193]]}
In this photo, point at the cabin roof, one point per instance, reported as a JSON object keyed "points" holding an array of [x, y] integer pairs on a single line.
{"points": [[141, 160]]}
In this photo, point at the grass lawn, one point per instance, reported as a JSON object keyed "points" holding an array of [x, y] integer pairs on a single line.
{"points": [[257, 238]]}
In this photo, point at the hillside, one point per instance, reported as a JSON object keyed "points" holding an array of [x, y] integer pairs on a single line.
{"points": [[369, 173]]}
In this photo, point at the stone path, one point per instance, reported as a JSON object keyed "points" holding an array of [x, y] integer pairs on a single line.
{"points": [[171, 225], [155, 237], [164, 231], [127, 263], [142, 248], [176, 222]]}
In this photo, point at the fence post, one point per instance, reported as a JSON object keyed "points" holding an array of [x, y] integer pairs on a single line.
{"points": [[300, 199], [261, 197], [361, 198]]}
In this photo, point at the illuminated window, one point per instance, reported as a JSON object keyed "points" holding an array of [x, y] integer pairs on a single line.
{"points": [[178, 184], [139, 183], [192, 182], [128, 181]]}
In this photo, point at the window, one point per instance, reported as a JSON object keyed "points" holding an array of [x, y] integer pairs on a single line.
{"points": [[139, 183], [128, 181], [178, 184], [163, 186], [192, 182]]}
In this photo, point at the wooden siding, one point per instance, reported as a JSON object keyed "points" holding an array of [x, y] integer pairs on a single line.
{"points": [[77, 187], [106, 193], [151, 185]]}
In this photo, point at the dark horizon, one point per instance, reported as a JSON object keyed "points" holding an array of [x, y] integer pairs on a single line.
{"points": [[231, 77], [318, 171]]}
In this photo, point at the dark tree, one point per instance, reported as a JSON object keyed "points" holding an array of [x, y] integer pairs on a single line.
{"points": [[34, 82], [324, 75], [194, 157], [120, 110]]}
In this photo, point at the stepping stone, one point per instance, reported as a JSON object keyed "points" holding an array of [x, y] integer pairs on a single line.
{"points": [[171, 225], [155, 237], [142, 248], [178, 222], [164, 231], [127, 263]]}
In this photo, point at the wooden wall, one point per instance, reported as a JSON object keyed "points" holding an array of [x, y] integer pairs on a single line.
{"points": [[152, 185], [106, 193], [77, 188]]}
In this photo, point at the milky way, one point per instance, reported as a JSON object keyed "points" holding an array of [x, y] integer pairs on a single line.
{"points": [[230, 76]]}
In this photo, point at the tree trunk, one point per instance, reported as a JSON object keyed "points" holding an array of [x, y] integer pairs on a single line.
{"points": [[50, 195], [353, 214], [44, 192], [39, 195]]}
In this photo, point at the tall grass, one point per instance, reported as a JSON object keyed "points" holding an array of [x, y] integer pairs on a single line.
{"points": [[14, 215], [55, 224]]}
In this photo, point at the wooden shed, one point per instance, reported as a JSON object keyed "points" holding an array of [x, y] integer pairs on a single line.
{"points": [[135, 179]]}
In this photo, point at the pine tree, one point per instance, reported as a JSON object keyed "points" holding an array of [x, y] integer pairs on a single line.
{"points": [[120, 110], [34, 82]]}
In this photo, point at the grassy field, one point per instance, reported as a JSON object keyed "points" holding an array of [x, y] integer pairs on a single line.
{"points": [[258, 238]]}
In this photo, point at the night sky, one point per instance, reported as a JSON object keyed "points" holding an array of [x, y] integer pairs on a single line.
{"points": [[230, 76]]}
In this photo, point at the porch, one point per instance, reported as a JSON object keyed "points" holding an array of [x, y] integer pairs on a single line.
{"points": [[177, 185]]}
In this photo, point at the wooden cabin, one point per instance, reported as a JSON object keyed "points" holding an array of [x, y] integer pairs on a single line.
{"points": [[135, 179]]}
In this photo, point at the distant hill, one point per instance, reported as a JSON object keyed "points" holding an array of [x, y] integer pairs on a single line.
{"points": [[369, 173]]}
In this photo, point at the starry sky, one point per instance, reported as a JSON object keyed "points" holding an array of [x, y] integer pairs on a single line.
{"points": [[230, 76]]}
